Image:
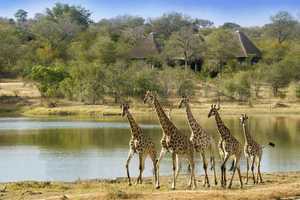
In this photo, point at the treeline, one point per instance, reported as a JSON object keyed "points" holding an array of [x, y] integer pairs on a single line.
{"points": [[67, 55]]}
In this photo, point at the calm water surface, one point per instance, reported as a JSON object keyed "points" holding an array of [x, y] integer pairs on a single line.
{"points": [[66, 150]]}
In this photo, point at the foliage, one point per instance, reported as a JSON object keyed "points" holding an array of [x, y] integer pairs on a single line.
{"points": [[68, 56], [185, 44], [282, 26], [187, 88], [218, 44], [297, 91], [239, 86], [48, 79]]}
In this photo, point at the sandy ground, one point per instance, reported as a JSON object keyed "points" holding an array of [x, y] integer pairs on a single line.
{"points": [[276, 186]]}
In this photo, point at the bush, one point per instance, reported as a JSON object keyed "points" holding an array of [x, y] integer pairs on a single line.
{"points": [[186, 88], [297, 91], [239, 86], [147, 80]]}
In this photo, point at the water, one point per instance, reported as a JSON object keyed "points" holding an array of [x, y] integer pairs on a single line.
{"points": [[67, 150]]}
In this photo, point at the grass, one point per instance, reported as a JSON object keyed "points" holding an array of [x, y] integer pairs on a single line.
{"points": [[18, 98], [276, 186]]}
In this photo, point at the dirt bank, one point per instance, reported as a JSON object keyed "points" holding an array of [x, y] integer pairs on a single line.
{"points": [[276, 186]]}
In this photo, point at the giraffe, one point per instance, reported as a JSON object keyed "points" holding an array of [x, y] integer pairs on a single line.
{"points": [[200, 139], [253, 151], [173, 141], [228, 146], [140, 144]]}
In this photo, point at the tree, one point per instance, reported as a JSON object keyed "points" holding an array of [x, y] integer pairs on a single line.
{"points": [[21, 16], [231, 25], [185, 44], [282, 26], [169, 23], [48, 79], [11, 50], [221, 47], [77, 14], [119, 81]]}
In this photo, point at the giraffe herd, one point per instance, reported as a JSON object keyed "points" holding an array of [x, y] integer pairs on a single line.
{"points": [[200, 141]]}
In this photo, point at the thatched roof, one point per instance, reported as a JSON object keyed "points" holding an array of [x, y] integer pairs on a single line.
{"points": [[248, 48], [146, 48], [149, 46]]}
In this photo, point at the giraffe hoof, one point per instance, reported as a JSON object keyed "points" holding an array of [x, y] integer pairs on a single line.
{"points": [[216, 182], [173, 188], [129, 184], [157, 187]]}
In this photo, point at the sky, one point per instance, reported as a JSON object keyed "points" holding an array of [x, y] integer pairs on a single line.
{"points": [[243, 12]]}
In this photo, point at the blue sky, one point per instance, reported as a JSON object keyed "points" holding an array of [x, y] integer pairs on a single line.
{"points": [[244, 12]]}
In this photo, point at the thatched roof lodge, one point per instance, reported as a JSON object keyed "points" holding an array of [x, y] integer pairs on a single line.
{"points": [[149, 47], [247, 48]]}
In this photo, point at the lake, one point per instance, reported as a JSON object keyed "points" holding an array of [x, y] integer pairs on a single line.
{"points": [[66, 149]]}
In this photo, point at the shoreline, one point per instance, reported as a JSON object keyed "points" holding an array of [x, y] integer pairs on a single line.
{"points": [[277, 185], [114, 110]]}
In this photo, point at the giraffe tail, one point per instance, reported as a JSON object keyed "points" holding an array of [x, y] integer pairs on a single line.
{"points": [[232, 166], [271, 144]]}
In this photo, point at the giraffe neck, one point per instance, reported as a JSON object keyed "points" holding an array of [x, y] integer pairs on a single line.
{"points": [[135, 129], [194, 125], [164, 121], [247, 135], [221, 126]]}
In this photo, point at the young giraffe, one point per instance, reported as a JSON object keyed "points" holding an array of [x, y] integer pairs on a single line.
{"points": [[175, 142], [200, 139], [252, 150], [140, 144], [229, 146]]}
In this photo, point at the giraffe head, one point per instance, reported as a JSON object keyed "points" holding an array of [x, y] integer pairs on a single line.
{"points": [[149, 97], [243, 118], [183, 102], [213, 110], [124, 107]]}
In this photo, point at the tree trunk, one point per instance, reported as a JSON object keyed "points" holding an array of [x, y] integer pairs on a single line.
{"points": [[275, 91], [185, 64]]}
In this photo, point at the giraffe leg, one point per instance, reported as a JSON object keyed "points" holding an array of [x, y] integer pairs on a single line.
{"points": [[213, 163], [130, 155], [258, 171], [236, 167], [223, 170], [142, 158], [178, 166], [192, 182], [214, 168], [153, 157], [247, 175], [161, 155], [174, 170], [206, 180], [252, 169], [239, 171]]}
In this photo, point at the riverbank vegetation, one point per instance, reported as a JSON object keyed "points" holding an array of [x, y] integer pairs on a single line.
{"points": [[70, 58]]}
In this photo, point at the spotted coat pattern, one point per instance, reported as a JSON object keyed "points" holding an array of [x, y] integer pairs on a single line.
{"points": [[173, 141], [200, 139], [229, 147], [140, 144], [252, 151]]}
